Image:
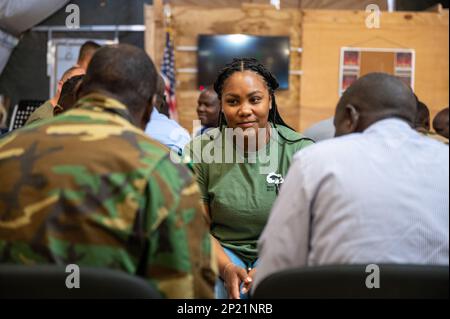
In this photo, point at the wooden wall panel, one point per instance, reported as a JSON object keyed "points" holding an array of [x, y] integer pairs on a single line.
{"points": [[321, 34], [305, 4], [325, 32], [377, 62], [189, 22]]}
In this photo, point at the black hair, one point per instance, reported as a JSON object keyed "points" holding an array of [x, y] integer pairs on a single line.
{"points": [[251, 64], [440, 122], [67, 95], [422, 119], [70, 85], [87, 48], [124, 71]]}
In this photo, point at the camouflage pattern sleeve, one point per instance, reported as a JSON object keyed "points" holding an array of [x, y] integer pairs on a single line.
{"points": [[180, 261], [88, 188]]}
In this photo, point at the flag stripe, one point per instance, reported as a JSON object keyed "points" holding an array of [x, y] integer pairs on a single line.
{"points": [[168, 72]]}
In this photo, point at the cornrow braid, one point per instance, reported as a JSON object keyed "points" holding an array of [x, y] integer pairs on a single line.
{"points": [[251, 64]]}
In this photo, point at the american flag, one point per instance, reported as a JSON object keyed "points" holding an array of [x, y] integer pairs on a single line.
{"points": [[168, 73]]}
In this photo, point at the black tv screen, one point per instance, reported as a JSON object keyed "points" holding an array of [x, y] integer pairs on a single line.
{"points": [[215, 51]]}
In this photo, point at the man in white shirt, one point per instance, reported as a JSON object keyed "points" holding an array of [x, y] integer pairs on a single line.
{"points": [[208, 110], [163, 129], [377, 195]]}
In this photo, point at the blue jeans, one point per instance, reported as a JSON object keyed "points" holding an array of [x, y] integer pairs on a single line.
{"points": [[220, 290]]}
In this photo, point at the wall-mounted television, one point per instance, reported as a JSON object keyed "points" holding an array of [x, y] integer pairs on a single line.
{"points": [[215, 51]]}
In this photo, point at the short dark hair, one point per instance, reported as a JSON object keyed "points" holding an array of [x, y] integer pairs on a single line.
{"points": [[422, 116], [124, 71], [440, 122], [382, 96], [88, 48]]}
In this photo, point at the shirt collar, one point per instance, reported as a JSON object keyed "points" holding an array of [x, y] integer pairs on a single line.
{"points": [[102, 103], [391, 123]]}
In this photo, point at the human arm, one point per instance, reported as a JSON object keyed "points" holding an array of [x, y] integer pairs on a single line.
{"points": [[231, 274], [180, 262]]}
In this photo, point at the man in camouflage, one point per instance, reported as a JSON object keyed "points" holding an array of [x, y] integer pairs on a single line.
{"points": [[88, 187], [45, 111]]}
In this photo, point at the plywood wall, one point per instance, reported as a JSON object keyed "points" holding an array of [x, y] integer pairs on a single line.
{"points": [[321, 34], [189, 22], [305, 4], [325, 32]]}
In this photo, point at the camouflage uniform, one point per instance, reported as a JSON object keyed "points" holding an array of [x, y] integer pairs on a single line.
{"points": [[43, 112], [87, 187]]}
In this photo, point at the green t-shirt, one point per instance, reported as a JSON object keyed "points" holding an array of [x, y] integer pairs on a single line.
{"points": [[240, 195]]}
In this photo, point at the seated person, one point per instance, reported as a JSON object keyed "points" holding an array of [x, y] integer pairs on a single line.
{"points": [[166, 131], [379, 193], [89, 187], [422, 123], [238, 194], [68, 95], [208, 109], [45, 111], [440, 123]]}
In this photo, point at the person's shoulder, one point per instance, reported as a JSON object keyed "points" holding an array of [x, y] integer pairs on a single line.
{"points": [[209, 134], [292, 138], [331, 148], [441, 141], [161, 119], [288, 132], [107, 130], [322, 130], [161, 125], [44, 107], [44, 111], [192, 152], [205, 138], [172, 174]]}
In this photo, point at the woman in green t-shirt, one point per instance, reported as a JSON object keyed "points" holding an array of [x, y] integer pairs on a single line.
{"points": [[240, 171]]}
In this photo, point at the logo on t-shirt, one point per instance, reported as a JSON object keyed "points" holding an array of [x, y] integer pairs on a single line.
{"points": [[274, 181]]}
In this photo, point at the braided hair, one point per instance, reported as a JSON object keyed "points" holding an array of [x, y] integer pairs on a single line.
{"points": [[251, 64]]}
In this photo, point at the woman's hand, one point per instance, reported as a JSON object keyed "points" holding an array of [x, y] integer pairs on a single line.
{"points": [[233, 276], [248, 285]]}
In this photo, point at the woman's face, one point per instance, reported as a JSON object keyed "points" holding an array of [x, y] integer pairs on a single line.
{"points": [[246, 101]]}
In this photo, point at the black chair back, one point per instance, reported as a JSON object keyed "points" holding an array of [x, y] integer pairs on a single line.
{"points": [[22, 112], [49, 282], [350, 281]]}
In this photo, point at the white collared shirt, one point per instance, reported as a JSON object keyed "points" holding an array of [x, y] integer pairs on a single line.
{"points": [[167, 131], [381, 196]]}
